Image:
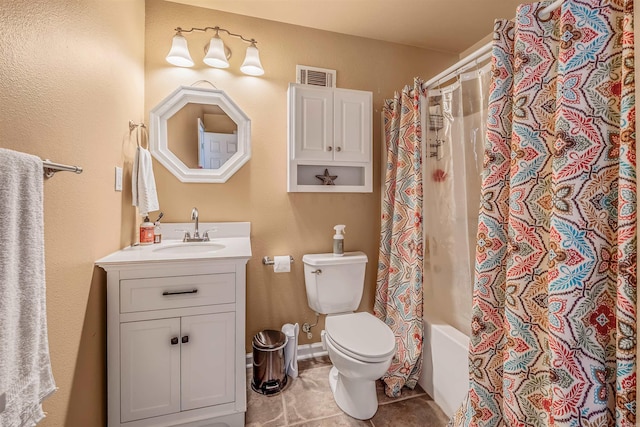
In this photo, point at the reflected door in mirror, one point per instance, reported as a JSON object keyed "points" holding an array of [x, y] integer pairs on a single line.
{"points": [[215, 148]]}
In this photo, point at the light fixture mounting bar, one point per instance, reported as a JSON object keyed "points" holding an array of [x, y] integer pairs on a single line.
{"points": [[216, 29]]}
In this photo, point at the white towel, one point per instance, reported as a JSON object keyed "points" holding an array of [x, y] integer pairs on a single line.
{"points": [[143, 183], [25, 367]]}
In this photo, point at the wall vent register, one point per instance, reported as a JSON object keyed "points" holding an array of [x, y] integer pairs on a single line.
{"points": [[315, 76]]}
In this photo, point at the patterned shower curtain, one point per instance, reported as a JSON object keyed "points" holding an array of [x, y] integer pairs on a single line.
{"points": [[554, 308], [398, 300]]}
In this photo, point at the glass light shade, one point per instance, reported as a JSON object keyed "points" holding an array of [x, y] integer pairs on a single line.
{"points": [[251, 64], [216, 56], [179, 53]]}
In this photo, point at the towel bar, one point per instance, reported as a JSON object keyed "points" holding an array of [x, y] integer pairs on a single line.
{"points": [[50, 168]]}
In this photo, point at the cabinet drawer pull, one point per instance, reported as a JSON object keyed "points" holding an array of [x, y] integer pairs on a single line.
{"points": [[185, 339], [329, 148], [338, 148], [174, 340], [167, 293]]}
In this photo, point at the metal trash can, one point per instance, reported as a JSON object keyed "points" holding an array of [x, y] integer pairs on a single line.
{"points": [[269, 375]]}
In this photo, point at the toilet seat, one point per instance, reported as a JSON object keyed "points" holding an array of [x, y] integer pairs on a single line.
{"points": [[361, 336]]}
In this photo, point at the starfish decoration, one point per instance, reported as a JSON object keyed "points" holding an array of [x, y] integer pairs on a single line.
{"points": [[326, 178]]}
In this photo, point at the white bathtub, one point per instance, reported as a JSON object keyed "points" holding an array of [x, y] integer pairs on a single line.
{"points": [[445, 366]]}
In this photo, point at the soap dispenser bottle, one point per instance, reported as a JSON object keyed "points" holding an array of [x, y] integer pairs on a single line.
{"points": [[146, 231], [338, 240]]}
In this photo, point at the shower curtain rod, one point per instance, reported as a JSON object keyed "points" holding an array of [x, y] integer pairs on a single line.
{"points": [[459, 67], [474, 58]]}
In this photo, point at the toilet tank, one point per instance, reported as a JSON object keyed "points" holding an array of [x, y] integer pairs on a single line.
{"points": [[334, 283]]}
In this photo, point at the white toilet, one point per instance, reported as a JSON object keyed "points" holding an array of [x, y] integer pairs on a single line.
{"points": [[360, 345]]}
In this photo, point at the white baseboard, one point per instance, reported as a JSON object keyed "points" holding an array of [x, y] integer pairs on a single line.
{"points": [[305, 351]]}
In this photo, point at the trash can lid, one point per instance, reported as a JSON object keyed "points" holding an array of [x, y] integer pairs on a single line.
{"points": [[269, 339]]}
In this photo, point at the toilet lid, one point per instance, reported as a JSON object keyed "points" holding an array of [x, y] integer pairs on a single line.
{"points": [[361, 335]]}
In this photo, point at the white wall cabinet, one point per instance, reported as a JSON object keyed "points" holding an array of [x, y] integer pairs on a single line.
{"points": [[175, 340], [329, 128]]}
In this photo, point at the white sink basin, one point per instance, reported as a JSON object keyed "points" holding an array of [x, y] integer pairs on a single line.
{"points": [[190, 248], [232, 241]]}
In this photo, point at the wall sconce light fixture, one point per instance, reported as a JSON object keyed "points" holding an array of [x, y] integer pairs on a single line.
{"points": [[216, 53]]}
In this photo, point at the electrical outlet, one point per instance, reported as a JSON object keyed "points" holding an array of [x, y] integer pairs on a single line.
{"points": [[118, 178]]}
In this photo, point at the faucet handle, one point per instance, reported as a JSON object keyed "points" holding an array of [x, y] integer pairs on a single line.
{"points": [[187, 235], [205, 235]]}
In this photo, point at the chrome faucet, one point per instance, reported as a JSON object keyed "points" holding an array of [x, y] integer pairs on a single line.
{"points": [[194, 217], [196, 233]]}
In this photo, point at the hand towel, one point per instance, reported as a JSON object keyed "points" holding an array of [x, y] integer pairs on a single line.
{"points": [[25, 366], [143, 183]]}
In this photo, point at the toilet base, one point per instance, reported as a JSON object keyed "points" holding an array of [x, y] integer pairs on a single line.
{"points": [[357, 399]]}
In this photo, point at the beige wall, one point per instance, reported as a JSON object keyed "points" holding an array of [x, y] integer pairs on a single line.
{"points": [[219, 123], [69, 89], [182, 134], [282, 223], [72, 78]]}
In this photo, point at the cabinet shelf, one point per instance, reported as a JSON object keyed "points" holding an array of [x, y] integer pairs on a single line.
{"points": [[349, 178]]}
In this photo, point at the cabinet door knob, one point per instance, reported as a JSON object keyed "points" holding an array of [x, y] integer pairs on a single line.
{"points": [[185, 339], [338, 148], [329, 148], [174, 340]]}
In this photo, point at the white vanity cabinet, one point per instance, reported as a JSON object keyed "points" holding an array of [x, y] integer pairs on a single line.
{"points": [[175, 337], [192, 369], [331, 129], [187, 377]]}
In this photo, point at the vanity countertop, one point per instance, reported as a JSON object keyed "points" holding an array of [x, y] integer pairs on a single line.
{"points": [[229, 240]]}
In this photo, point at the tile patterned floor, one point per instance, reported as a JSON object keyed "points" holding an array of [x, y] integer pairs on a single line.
{"points": [[307, 401]]}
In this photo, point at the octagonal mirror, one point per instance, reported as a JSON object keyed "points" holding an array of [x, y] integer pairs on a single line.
{"points": [[200, 135]]}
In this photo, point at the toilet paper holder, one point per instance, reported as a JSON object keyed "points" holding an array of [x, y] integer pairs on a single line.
{"points": [[268, 261]]}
